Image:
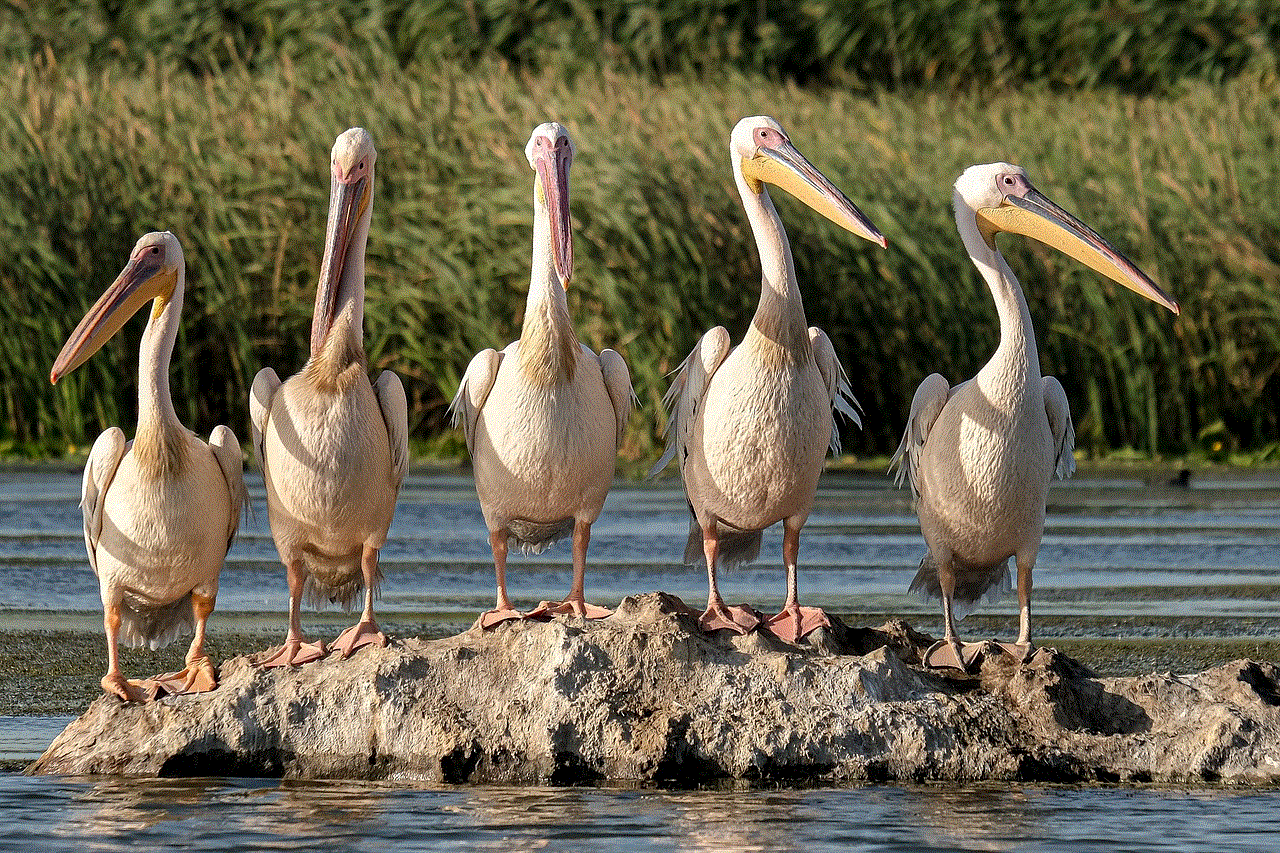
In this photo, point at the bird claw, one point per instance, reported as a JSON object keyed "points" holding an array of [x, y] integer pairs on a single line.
{"points": [[740, 619], [792, 625], [491, 618], [952, 654], [358, 635], [292, 653], [1020, 652], [569, 607], [199, 676]]}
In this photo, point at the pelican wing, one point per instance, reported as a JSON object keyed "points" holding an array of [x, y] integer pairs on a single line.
{"points": [[265, 385], [688, 389], [227, 453], [395, 413], [477, 382], [617, 381], [1064, 433], [926, 405], [838, 389], [99, 471]]}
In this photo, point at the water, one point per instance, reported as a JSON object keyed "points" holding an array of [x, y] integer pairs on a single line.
{"points": [[1134, 575]]}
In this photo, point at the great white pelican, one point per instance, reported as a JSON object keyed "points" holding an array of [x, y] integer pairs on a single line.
{"points": [[333, 447], [160, 511], [545, 417], [980, 455], [750, 424]]}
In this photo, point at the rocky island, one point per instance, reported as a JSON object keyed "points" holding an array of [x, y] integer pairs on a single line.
{"points": [[643, 697]]}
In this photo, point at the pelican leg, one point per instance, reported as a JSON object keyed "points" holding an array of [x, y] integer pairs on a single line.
{"points": [[365, 632], [296, 650], [199, 676], [740, 619], [114, 683], [576, 603], [949, 652], [794, 622], [503, 609], [1023, 648]]}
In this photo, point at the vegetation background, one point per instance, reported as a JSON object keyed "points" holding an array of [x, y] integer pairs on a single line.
{"points": [[1156, 122]]}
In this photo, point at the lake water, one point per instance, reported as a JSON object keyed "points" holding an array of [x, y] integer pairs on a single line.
{"points": [[1134, 575]]}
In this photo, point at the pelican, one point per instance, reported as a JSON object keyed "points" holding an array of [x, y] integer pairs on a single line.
{"points": [[980, 455], [545, 417], [751, 424], [159, 511], [333, 448]]}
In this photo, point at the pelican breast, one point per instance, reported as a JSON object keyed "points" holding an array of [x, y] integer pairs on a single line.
{"points": [[549, 446], [327, 464], [148, 545], [763, 430]]}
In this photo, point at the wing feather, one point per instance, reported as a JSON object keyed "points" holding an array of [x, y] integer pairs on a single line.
{"points": [[395, 414], [265, 385], [99, 471], [685, 396], [843, 402], [926, 405], [227, 453], [1064, 432], [474, 389], [617, 381]]}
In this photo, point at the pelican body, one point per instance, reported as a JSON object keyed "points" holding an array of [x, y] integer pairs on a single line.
{"points": [[980, 455], [333, 447], [545, 417], [160, 511], [752, 424]]}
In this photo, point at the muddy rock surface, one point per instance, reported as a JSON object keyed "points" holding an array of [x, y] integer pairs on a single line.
{"points": [[644, 697]]}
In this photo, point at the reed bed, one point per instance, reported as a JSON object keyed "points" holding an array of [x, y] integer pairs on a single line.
{"points": [[235, 163], [1138, 45]]}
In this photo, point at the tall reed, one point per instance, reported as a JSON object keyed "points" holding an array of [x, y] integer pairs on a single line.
{"points": [[236, 164]]}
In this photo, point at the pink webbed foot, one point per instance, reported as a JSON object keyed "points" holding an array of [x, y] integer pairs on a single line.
{"points": [[740, 618], [358, 635], [569, 607], [1020, 652], [199, 676], [115, 684], [792, 624], [292, 653], [951, 654], [497, 616]]}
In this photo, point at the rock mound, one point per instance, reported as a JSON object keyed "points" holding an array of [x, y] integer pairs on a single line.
{"points": [[645, 697]]}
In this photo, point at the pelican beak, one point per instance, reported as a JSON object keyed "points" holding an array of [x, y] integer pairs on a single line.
{"points": [[348, 201], [553, 186], [137, 284], [1025, 211], [785, 167]]}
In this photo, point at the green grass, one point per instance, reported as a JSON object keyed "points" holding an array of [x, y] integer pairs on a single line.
{"points": [[235, 163]]}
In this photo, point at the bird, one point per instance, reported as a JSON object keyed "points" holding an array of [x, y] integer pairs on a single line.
{"points": [[160, 511], [333, 447], [545, 417], [980, 455], [751, 424]]}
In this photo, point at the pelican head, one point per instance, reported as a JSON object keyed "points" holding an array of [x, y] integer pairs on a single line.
{"points": [[152, 273], [550, 154], [1001, 198], [350, 201], [763, 153]]}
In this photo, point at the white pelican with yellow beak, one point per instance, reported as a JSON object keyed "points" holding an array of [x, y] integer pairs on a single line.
{"points": [[980, 455], [751, 424], [159, 511], [333, 447], [545, 417]]}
